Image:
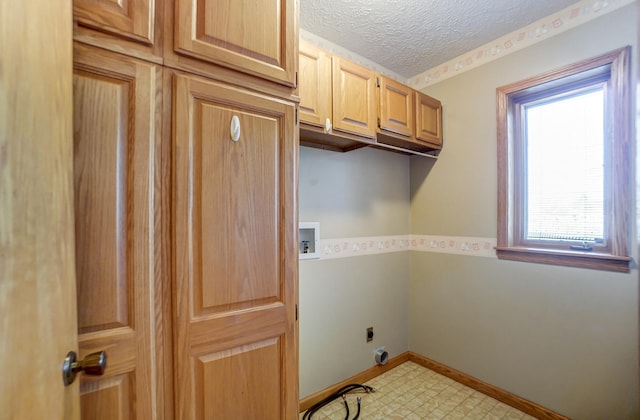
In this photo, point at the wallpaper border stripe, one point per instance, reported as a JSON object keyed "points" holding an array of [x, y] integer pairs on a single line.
{"points": [[371, 245]]}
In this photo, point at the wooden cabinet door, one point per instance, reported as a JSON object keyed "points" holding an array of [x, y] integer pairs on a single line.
{"points": [[428, 120], [354, 98], [314, 85], [116, 205], [258, 37], [132, 19], [395, 107], [235, 258]]}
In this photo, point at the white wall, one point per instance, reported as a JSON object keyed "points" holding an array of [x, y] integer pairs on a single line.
{"points": [[562, 337], [360, 193]]}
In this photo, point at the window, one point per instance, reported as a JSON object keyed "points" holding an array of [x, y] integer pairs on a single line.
{"points": [[563, 166]]}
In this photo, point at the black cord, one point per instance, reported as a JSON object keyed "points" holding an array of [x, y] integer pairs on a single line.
{"points": [[344, 390], [346, 405], [358, 413]]}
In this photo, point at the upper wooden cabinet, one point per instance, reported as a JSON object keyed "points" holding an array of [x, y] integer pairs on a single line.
{"points": [[133, 20], [337, 100], [354, 97], [344, 106], [428, 120], [395, 107], [314, 85], [408, 119], [258, 37]]}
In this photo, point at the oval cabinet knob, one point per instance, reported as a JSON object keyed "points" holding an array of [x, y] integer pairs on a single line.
{"points": [[327, 125], [93, 364], [234, 128]]}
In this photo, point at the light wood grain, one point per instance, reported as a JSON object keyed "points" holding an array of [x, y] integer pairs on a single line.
{"points": [[257, 396], [314, 85], [37, 273], [258, 37], [395, 107], [125, 190], [235, 208], [132, 19], [354, 98], [428, 120], [408, 120], [234, 248], [318, 103], [226, 73], [108, 399], [107, 41], [363, 108], [116, 107]]}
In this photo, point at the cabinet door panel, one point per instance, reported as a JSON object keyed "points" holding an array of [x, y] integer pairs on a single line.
{"points": [[254, 36], [314, 85], [236, 208], [235, 254], [133, 19], [428, 120], [354, 98], [258, 361], [395, 107], [115, 111]]}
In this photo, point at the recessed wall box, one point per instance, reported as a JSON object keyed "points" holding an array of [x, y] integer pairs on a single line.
{"points": [[309, 240]]}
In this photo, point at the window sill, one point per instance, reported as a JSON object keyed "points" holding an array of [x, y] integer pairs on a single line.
{"points": [[592, 260]]}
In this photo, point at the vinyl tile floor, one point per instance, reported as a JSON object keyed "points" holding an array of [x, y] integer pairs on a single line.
{"points": [[410, 391]]}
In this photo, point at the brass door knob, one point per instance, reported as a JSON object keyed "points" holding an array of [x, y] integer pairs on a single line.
{"points": [[93, 364]]}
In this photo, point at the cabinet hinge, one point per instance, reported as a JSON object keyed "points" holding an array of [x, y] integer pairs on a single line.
{"points": [[296, 82], [377, 81], [296, 311], [379, 122], [296, 116]]}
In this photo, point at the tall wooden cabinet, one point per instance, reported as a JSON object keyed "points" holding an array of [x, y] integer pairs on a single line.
{"points": [[186, 207], [234, 239], [119, 263]]}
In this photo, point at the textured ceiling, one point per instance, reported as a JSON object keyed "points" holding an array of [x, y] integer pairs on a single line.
{"points": [[411, 36]]}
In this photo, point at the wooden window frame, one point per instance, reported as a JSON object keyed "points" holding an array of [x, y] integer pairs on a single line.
{"points": [[614, 68]]}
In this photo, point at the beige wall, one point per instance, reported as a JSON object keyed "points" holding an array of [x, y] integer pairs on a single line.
{"points": [[339, 299], [562, 337], [360, 193]]}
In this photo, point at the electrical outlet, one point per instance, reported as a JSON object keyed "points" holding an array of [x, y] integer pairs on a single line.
{"points": [[369, 334]]}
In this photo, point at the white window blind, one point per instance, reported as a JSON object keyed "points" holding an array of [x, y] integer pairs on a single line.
{"points": [[565, 154]]}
